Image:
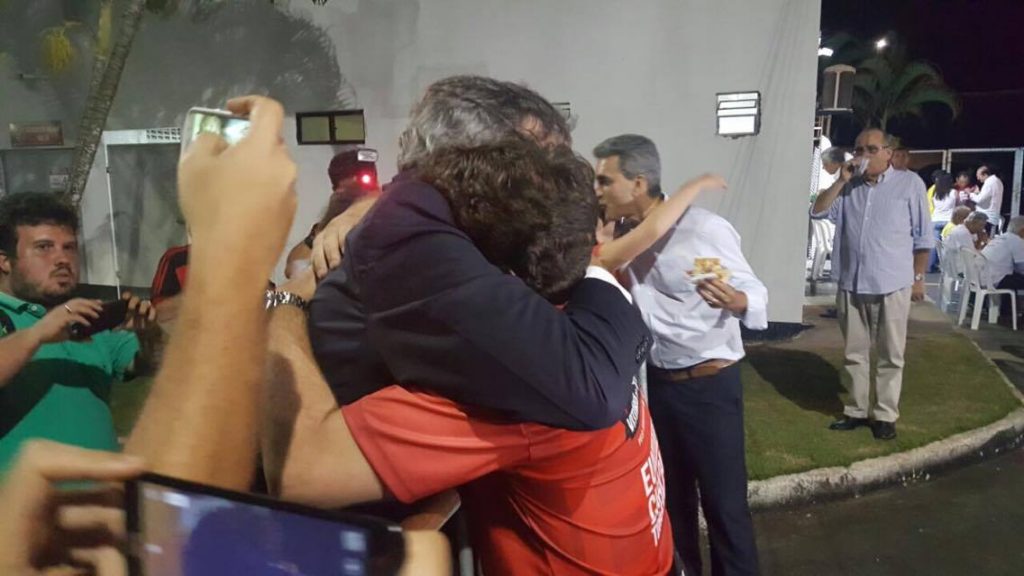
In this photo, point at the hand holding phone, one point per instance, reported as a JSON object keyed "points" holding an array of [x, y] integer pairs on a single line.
{"points": [[230, 127], [112, 315], [227, 190], [177, 527]]}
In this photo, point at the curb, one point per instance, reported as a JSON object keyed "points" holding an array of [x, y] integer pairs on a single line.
{"points": [[900, 468]]}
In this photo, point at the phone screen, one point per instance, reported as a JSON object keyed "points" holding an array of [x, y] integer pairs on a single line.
{"points": [[181, 532], [231, 128]]}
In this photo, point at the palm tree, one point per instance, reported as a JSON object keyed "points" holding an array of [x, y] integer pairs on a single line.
{"points": [[889, 86], [110, 44], [108, 64]]}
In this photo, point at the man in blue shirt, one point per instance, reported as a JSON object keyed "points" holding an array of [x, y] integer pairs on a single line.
{"points": [[883, 240]]}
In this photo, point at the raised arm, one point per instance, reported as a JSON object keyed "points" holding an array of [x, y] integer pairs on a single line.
{"points": [[826, 198], [200, 420], [618, 252]]}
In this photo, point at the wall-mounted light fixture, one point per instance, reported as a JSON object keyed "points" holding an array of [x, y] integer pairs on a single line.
{"points": [[739, 114]]}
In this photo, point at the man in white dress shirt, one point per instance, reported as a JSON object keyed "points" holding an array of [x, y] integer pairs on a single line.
{"points": [[694, 389], [1005, 256], [970, 234], [990, 199]]}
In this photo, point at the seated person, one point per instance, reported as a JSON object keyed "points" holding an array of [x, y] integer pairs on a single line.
{"points": [[353, 175], [50, 386], [970, 234], [539, 500], [959, 215], [1005, 256]]}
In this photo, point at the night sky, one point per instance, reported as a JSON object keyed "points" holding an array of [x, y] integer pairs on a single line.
{"points": [[978, 45]]}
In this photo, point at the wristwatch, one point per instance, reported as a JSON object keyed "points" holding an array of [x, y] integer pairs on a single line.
{"points": [[274, 298], [918, 277]]}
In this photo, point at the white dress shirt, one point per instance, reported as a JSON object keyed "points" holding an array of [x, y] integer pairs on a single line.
{"points": [[1005, 255], [959, 237], [685, 330], [990, 199]]}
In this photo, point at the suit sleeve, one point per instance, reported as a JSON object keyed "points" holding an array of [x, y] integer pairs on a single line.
{"points": [[442, 317]]}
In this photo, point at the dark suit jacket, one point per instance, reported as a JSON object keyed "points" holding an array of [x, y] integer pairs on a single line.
{"points": [[415, 302]]}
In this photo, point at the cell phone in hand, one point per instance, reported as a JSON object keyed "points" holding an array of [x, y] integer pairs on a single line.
{"points": [[179, 528], [111, 316], [228, 126]]}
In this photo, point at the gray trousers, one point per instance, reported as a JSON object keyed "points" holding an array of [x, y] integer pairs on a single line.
{"points": [[879, 320]]}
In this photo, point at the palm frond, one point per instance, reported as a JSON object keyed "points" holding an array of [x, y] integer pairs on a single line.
{"points": [[933, 95], [914, 74]]}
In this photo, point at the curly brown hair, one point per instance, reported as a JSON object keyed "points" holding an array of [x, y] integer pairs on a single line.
{"points": [[530, 210]]}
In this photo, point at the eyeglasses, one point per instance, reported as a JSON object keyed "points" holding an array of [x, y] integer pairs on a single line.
{"points": [[859, 150]]}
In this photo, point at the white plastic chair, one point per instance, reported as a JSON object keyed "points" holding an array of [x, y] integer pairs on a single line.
{"points": [[952, 274], [979, 285], [822, 234]]}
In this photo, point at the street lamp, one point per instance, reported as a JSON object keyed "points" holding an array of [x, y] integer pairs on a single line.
{"points": [[826, 52], [881, 43]]}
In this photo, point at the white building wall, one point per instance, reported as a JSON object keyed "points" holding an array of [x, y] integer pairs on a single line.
{"points": [[647, 66]]}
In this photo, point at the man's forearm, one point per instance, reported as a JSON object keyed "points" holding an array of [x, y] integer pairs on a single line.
{"points": [[827, 197], [921, 261], [15, 352], [200, 421], [309, 454]]}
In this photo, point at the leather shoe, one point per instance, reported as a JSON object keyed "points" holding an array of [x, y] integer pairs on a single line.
{"points": [[848, 423], [884, 430]]}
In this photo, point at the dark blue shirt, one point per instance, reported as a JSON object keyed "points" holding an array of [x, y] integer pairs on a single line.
{"points": [[415, 302]]}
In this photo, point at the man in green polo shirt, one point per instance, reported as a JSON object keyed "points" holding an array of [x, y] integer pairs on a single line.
{"points": [[50, 386]]}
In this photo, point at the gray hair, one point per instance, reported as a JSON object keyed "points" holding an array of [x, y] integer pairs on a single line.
{"points": [[638, 156], [888, 139], [976, 216], [469, 111], [1016, 225], [833, 155]]}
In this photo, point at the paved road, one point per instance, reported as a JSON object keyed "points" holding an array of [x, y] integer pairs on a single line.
{"points": [[966, 522]]}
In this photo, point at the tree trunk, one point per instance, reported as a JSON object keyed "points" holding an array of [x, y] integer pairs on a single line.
{"points": [[106, 75]]}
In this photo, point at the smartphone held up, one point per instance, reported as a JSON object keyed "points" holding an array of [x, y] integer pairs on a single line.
{"points": [[230, 127]]}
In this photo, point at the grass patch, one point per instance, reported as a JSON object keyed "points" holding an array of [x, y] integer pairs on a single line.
{"points": [[793, 394]]}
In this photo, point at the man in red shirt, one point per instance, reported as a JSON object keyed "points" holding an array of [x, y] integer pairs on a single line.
{"points": [[539, 500]]}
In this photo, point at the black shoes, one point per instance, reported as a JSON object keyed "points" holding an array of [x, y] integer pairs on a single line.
{"points": [[848, 423], [883, 430]]}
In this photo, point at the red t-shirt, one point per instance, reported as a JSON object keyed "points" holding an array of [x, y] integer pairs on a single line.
{"points": [[539, 500]]}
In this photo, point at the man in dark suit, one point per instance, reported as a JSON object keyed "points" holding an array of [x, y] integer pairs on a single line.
{"points": [[415, 301]]}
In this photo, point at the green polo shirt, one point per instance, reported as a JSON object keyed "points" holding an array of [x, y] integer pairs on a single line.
{"points": [[62, 394]]}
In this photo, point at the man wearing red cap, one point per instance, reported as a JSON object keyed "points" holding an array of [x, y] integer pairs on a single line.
{"points": [[353, 174]]}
